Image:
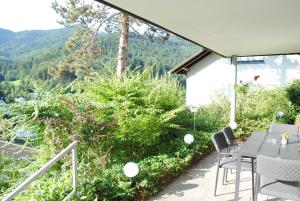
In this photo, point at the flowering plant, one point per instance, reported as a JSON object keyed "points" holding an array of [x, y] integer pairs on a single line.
{"points": [[285, 135], [244, 88]]}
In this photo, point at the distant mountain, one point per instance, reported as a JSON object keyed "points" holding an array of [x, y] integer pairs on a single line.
{"points": [[40, 44], [15, 44], [5, 35], [28, 55]]}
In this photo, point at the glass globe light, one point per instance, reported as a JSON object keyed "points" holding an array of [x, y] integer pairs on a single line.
{"points": [[233, 125], [188, 138], [193, 109], [131, 169], [279, 114]]}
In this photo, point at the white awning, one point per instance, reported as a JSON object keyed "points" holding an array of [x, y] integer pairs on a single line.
{"points": [[227, 27]]}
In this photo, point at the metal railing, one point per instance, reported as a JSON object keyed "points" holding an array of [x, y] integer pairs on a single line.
{"points": [[49, 164]]}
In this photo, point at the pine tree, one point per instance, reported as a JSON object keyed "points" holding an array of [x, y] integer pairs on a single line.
{"points": [[123, 44], [90, 19]]}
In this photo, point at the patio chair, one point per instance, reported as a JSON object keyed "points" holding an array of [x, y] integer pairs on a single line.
{"points": [[281, 128], [233, 145], [279, 178], [225, 159], [230, 137]]}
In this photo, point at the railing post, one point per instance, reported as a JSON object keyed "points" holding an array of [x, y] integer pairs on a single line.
{"points": [[74, 169]]}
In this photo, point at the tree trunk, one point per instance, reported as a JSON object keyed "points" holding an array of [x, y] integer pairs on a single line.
{"points": [[123, 44]]}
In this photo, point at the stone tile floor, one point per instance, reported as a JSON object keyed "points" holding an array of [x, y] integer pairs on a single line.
{"points": [[15, 151], [198, 185]]}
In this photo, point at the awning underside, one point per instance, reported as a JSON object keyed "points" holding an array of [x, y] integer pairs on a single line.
{"points": [[228, 27]]}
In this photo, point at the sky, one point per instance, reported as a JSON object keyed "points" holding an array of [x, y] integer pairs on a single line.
{"points": [[20, 15]]}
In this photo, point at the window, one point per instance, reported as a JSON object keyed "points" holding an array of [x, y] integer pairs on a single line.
{"points": [[251, 60]]}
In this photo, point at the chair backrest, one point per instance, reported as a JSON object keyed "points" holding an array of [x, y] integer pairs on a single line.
{"points": [[278, 169], [281, 128], [229, 135], [219, 141]]}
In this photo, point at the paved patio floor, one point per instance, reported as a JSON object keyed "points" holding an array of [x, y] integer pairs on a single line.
{"points": [[15, 151], [198, 184]]}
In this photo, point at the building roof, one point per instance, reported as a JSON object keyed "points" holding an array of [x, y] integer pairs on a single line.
{"points": [[235, 27], [184, 67]]}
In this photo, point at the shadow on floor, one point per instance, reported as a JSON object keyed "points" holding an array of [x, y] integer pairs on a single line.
{"points": [[228, 193], [198, 184]]}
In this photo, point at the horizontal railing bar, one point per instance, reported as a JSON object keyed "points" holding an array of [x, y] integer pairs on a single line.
{"points": [[38, 173], [70, 195]]}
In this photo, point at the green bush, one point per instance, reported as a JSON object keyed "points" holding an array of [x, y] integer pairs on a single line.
{"points": [[258, 108], [297, 120], [156, 170], [55, 185], [12, 172], [140, 118], [293, 93], [213, 117], [136, 112]]}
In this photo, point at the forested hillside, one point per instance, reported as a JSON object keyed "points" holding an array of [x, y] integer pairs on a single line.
{"points": [[27, 56], [18, 44]]}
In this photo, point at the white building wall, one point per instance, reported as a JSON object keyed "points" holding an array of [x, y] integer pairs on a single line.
{"points": [[210, 76], [213, 75], [276, 71]]}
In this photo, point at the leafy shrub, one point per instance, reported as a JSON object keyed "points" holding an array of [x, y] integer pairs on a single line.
{"points": [[293, 93], [258, 108], [156, 171], [12, 172], [140, 118], [247, 126], [55, 185], [214, 116], [297, 120], [137, 111]]}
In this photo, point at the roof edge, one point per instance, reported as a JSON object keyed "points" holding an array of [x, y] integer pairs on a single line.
{"points": [[105, 2], [184, 67]]}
